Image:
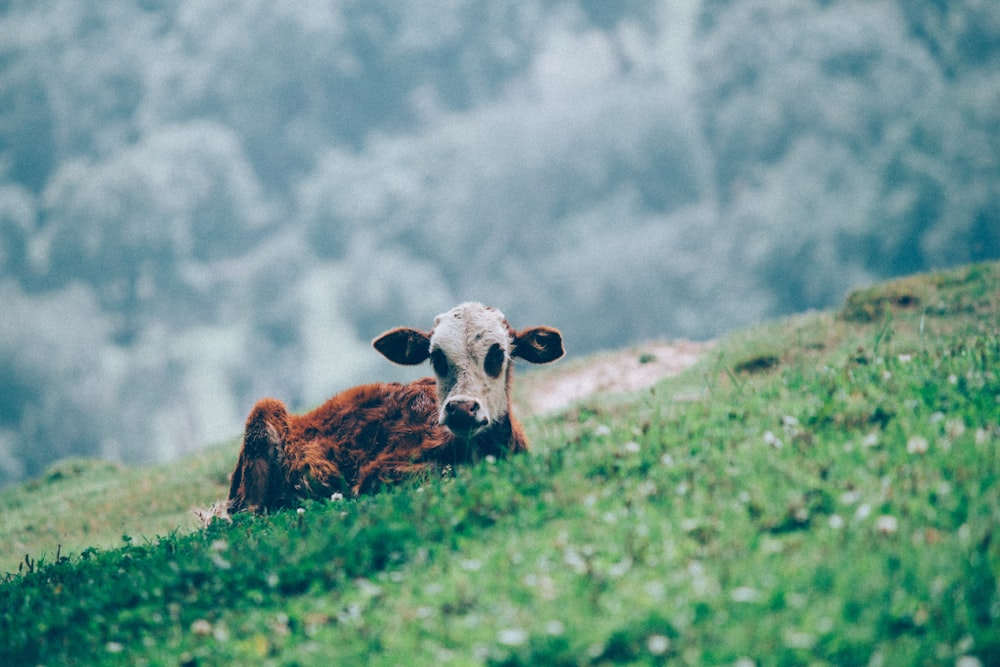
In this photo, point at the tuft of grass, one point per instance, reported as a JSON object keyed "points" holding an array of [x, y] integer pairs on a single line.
{"points": [[840, 508]]}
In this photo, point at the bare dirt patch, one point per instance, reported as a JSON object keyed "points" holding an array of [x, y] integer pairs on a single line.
{"points": [[613, 372]]}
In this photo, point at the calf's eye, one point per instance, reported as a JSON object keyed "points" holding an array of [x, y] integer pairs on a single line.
{"points": [[494, 361], [440, 362]]}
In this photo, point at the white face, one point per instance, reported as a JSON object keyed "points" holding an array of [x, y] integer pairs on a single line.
{"points": [[470, 348]]}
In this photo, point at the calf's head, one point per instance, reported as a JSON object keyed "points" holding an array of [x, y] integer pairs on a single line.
{"points": [[471, 348]]}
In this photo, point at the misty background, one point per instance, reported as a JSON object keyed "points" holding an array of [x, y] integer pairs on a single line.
{"points": [[202, 203]]}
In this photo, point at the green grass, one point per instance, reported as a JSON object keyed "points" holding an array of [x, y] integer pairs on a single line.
{"points": [[81, 503], [819, 490]]}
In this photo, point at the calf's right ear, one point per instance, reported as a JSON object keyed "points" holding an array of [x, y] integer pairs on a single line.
{"points": [[404, 346]]}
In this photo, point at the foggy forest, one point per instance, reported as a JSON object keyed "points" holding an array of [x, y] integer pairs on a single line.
{"points": [[203, 203]]}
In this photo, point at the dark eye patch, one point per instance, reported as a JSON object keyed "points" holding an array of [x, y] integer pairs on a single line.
{"points": [[494, 361], [440, 362]]}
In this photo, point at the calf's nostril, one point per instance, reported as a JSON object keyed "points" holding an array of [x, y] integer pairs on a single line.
{"points": [[468, 408]]}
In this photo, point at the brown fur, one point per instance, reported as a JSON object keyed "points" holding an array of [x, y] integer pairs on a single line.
{"points": [[365, 437]]}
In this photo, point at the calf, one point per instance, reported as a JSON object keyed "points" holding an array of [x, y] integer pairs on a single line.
{"points": [[376, 434]]}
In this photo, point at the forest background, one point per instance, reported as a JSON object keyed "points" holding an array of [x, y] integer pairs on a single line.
{"points": [[202, 203]]}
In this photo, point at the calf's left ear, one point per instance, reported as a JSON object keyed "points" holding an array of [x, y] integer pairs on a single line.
{"points": [[404, 346], [539, 345]]}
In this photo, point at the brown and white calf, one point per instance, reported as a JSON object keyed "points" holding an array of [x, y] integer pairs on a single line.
{"points": [[377, 434]]}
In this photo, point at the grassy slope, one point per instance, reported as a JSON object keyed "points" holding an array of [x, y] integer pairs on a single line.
{"points": [[81, 503], [834, 501]]}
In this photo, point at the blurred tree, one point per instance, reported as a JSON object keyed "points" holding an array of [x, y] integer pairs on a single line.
{"points": [[129, 226]]}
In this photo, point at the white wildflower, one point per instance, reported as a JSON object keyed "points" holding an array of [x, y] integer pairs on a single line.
{"points": [[799, 639], [512, 637], [220, 633], [658, 644], [201, 627], [336, 496], [954, 428], [602, 430], [631, 447], [836, 521], [744, 594], [647, 488], [905, 358], [886, 524], [771, 439], [555, 628], [917, 445], [850, 497]]}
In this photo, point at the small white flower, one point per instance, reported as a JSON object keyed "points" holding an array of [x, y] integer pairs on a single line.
{"points": [[905, 358], [850, 497], [602, 430], [917, 445], [201, 627], [744, 594], [836, 521], [555, 628], [798, 639], [968, 661], [658, 644], [771, 439], [863, 511], [886, 524], [870, 440], [301, 510], [220, 633], [512, 637], [337, 496], [631, 447], [667, 460]]}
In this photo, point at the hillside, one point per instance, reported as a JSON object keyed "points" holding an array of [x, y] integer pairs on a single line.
{"points": [[819, 489], [185, 186]]}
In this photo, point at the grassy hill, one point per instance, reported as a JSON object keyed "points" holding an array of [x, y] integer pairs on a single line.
{"points": [[822, 489]]}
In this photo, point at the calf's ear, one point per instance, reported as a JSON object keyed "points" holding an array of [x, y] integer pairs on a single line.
{"points": [[404, 346], [539, 345]]}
